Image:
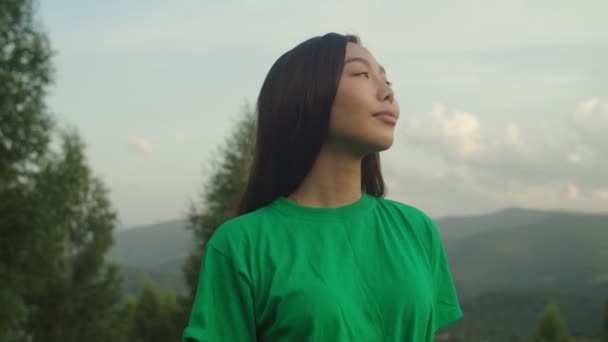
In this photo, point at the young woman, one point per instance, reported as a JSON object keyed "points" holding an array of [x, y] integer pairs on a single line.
{"points": [[316, 253]]}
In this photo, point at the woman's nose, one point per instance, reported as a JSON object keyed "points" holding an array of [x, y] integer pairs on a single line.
{"points": [[386, 93]]}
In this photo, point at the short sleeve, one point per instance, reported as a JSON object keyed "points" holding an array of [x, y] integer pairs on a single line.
{"points": [[446, 306], [223, 305]]}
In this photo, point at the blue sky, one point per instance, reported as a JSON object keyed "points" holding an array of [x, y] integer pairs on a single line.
{"points": [[502, 103]]}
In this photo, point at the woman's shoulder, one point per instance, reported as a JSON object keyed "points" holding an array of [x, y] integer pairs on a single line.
{"points": [[239, 231], [413, 218], [407, 210]]}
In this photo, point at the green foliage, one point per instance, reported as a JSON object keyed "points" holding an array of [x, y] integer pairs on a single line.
{"points": [[223, 188], [605, 323], [156, 317], [127, 317], [551, 326], [517, 311], [565, 251], [56, 221], [82, 297], [25, 74], [134, 279], [146, 318], [55, 218]]}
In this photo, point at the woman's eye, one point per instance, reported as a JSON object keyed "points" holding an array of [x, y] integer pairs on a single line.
{"points": [[366, 75]]}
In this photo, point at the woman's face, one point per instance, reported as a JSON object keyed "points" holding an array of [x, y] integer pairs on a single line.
{"points": [[364, 112]]}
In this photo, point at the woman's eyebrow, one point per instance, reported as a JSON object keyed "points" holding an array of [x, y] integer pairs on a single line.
{"points": [[364, 61]]}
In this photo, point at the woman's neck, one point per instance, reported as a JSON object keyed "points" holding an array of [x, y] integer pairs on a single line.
{"points": [[333, 181]]}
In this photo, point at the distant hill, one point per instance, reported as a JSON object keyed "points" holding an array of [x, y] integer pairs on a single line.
{"points": [[517, 312], [161, 246], [564, 251], [458, 227], [503, 251], [135, 277], [152, 253]]}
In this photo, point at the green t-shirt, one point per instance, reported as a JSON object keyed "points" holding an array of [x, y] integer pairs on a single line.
{"points": [[373, 270]]}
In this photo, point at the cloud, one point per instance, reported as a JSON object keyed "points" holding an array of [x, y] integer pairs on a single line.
{"points": [[591, 123], [601, 194], [458, 136], [140, 144], [560, 163]]}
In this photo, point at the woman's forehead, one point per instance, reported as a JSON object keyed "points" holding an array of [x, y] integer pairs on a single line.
{"points": [[355, 50]]}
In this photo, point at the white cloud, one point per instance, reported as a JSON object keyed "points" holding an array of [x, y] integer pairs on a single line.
{"points": [[573, 192], [140, 144], [560, 166], [535, 196], [591, 123], [458, 136], [575, 158], [601, 194]]}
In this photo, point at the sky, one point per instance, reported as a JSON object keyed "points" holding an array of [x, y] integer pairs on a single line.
{"points": [[503, 103]]}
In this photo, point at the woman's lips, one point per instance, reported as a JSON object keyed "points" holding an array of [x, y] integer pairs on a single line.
{"points": [[386, 117]]}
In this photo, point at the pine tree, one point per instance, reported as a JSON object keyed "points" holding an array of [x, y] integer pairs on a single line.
{"points": [[551, 326], [156, 316], [146, 319], [605, 323], [172, 317], [25, 75], [56, 220], [82, 299], [127, 316], [221, 195]]}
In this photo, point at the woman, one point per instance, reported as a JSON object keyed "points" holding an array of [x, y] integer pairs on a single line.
{"points": [[316, 253]]}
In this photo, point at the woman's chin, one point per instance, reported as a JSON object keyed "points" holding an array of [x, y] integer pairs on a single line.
{"points": [[382, 144], [364, 145]]}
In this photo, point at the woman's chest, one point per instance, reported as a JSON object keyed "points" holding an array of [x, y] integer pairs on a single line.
{"points": [[358, 280]]}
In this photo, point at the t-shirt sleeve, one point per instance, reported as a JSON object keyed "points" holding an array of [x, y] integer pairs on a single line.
{"points": [[223, 305], [446, 305]]}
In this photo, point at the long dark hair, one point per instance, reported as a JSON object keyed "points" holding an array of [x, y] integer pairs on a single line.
{"points": [[293, 111]]}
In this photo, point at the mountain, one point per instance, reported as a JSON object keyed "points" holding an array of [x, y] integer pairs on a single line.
{"points": [[161, 246], [152, 253], [135, 277], [517, 312], [507, 250], [564, 251], [458, 227]]}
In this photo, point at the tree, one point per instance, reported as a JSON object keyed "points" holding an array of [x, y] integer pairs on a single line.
{"points": [[221, 195], [82, 299], [127, 316], [156, 316], [172, 317], [551, 326], [605, 323], [146, 318], [56, 220], [25, 75]]}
